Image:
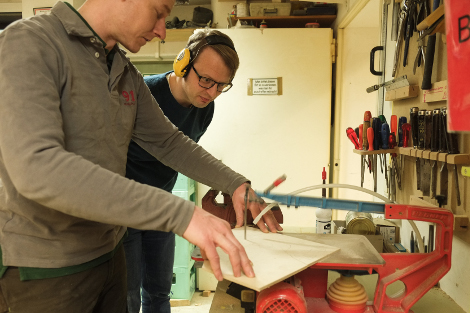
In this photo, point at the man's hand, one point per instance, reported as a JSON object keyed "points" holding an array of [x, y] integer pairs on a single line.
{"points": [[255, 205], [208, 232]]}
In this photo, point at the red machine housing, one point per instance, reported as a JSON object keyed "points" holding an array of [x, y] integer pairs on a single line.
{"points": [[282, 297], [419, 272]]}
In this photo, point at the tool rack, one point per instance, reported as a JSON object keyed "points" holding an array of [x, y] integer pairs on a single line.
{"points": [[461, 222]]}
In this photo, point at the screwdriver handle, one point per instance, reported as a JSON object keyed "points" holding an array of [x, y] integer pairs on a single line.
{"points": [[414, 125], [352, 136], [435, 130], [360, 135], [427, 129], [392, 143], [366, 125], [377, 127], [406, 128], [402, 120], [421, 128], [393, 125], [385, 134], [370, 138]]}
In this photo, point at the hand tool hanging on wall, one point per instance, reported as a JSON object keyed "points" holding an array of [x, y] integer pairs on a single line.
{"points": [[426, 173], [392, 143], [452, 148], [395, 21], [418, 124], [403, 80], [401, 33], [434, 148], [363, 167], [420, 56], [410, 24], [370, 138], [429, 58], [414, 126]]}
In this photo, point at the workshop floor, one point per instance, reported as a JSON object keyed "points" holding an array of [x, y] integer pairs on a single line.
{"points": [[199, 304]]}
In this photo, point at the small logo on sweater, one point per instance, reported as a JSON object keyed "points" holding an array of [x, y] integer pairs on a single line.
{"points": [[128, 97]]}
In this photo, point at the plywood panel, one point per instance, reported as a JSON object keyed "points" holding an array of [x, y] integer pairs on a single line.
{"points": [[274, 256]]}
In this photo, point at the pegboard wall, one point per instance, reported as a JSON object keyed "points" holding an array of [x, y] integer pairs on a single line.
{"points": [[402, 108]]}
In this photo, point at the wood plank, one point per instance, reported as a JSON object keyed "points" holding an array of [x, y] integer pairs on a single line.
{"points": [[179, 302], [274, 256]]}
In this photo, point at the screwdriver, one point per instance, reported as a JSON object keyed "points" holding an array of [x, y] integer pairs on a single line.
{"points": [[392, 143], [452, 148], [365, 126], [377, 127], [370, 138], [414, 125], [353, 137], [276, 183], [360, 135], [406, 128], [402, 120], [393, 125], [385, 134], [362, 157]]}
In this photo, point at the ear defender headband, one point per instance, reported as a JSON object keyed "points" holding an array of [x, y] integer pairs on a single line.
{"points": [[184, 59]]}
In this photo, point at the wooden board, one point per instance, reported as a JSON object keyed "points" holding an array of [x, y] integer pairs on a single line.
{"points": [[274, 256]]}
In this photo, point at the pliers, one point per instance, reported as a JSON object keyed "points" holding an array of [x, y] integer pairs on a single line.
{"points": [[422, 13]]}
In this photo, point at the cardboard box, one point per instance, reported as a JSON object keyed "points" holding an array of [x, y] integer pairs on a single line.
{"points": [[376, 240], [389, 230], [270, 9]]}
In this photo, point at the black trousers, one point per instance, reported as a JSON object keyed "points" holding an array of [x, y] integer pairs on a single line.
{"points": [[101, 289]]}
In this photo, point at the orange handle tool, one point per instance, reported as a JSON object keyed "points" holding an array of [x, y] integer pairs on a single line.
{"points": [[370, 138], [393, 125]]}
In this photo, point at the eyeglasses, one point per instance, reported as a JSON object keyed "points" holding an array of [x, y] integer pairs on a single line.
{"points": [[208, 83]]}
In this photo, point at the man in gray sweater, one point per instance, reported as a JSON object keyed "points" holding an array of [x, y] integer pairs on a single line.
{"points": [[71, 102]]}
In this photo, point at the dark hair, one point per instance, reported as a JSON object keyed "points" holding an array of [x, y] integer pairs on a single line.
{"points": [[229, 55]]}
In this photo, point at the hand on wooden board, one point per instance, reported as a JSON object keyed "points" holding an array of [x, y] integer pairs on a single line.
{"points": [[255, 204], [209, 232]]}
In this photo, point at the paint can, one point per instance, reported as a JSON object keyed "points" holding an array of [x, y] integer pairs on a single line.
{"points": [[359, 223]]}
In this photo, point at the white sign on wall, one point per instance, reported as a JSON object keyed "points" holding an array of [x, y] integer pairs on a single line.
{"points": [[265, 86]]}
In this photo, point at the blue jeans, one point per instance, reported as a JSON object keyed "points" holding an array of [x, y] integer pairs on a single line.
{"points": [[149, 256]]}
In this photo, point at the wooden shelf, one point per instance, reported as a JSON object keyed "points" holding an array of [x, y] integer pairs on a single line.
{"points": [[422, 154], [325, 21], [373, 152]]}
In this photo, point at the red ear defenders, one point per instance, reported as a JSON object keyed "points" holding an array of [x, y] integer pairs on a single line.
{"points": [[183, 60]]}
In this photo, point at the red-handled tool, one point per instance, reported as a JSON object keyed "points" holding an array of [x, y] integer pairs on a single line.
{"points": [[392, 143], [353, 137], [360, 135], [365, 126], [276, 183], [406, 127], [393, 125], [370, 138]]}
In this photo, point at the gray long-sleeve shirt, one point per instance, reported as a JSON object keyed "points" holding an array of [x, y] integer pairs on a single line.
{"points": [[65, 125]]}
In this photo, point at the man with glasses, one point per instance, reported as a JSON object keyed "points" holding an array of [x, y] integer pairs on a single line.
{"points": [[186, 96]]}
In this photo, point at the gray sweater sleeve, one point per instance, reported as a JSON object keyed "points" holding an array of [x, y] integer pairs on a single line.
{"points": [[42, 171]]}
